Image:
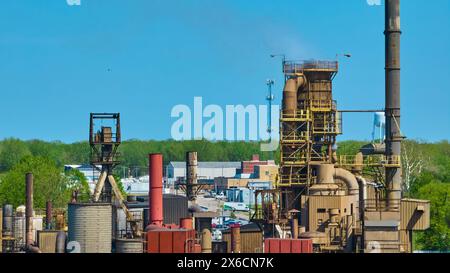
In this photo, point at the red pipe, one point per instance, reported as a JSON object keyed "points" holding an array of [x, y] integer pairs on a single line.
{"points": [[155, 193]]}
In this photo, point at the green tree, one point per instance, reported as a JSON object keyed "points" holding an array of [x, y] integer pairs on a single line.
{"points": [[77, 181], [437, 237], [50, 183], [12, 151]]}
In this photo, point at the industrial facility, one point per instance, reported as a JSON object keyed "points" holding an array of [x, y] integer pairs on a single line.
{"points": [[313, 201]]}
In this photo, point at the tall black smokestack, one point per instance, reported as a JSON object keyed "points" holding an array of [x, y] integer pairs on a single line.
{"points": [[393, 134]]}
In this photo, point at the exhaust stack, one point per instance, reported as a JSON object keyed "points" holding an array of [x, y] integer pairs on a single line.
{"points": [[48, 215], [29, 209], [155, 194], [191, 175], [392, 108]]}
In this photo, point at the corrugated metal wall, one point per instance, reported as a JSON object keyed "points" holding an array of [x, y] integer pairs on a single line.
{"points": [[251, 242], [47, 241], [175, 207], [412, 219]]}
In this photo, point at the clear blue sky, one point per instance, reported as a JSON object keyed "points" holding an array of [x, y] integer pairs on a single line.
{"points": [[142, 57]]}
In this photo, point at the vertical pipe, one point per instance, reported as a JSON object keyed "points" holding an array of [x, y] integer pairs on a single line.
{"points": [[48, 215], [29, 209], [191, 175], [294, 228], [235, 239], [61, 242], [392, 108], [155, 197]]}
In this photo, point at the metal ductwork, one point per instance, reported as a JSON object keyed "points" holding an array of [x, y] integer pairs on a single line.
{"points": [[349, 179], [392, 108]]}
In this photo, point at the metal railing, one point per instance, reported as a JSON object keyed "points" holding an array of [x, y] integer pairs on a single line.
{"points": [[299, 115], [292, 180], [105, 157], [370, 161], [292, 67], [322, 105]]}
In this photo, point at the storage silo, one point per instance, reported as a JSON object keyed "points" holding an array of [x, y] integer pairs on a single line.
{"points": [[90, 224]]}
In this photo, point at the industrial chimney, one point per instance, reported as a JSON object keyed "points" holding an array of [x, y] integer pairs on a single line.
{"points": [[29, 209], [392, 108], [155, 193], [191, 175]]}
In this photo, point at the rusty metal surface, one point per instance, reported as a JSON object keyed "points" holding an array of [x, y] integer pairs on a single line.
{"points": [[298, 246], [48, 214], [393, 133], [129, 245], [155, 193], [170, 241]]}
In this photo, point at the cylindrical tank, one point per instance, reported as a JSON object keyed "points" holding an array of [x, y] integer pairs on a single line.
{"points": [[90, 224], [325, 174], [155, 194], [129, 246], [8, 220], [60, 242], [236, 239], [206, 241], [186, 223]]}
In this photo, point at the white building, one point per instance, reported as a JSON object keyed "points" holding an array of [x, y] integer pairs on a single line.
{"points": [[205, 170]]}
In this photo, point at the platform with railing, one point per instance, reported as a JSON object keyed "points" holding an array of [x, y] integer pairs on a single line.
{"points": [[297, 67], [369, 161]]}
